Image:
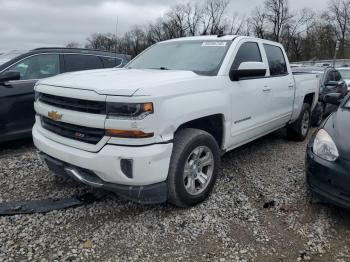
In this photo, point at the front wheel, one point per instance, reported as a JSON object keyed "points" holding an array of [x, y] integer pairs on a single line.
{"points": [[299, 130], [193, 168]]}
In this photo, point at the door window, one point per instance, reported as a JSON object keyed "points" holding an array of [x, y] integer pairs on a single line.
{"points": [[37, 66], [75, 62], [248, 52], [277, 62]]}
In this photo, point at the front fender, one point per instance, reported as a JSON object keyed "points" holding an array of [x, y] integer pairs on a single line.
{"points": [[178, 110]]}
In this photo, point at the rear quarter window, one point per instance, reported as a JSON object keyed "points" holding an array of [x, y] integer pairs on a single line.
{"points": [[76, 62], [111, 62], [277, 62]]}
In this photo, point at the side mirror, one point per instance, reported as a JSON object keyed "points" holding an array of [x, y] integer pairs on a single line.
{"points": [[333, 99], [9, 76], [248, 70]]}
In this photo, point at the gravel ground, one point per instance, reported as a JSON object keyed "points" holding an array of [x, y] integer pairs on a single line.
{"points": [[260, 210]]}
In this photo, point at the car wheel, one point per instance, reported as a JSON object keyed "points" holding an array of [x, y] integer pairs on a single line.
{"points": [[317, 115], [299, 130], [193, 168]]}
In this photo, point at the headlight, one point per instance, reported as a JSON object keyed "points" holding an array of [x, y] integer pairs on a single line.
{"points": [[129, 111], [324, 146]]}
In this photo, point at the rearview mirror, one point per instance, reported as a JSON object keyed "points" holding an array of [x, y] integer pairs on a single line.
{"points": [[9, 76], [248, 70], [333, 98]]}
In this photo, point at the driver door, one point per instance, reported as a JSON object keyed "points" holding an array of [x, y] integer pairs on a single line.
{"points": [[249, 98], [17, 115]]}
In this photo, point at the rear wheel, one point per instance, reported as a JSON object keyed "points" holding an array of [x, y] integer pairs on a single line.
{"points": [[299, 130], [194, 166]]}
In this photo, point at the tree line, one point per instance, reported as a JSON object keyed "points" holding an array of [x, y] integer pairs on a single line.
{"points": [[305, 34]]}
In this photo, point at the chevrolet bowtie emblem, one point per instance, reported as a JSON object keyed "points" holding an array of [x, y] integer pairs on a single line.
{"points": [[54, 115]]}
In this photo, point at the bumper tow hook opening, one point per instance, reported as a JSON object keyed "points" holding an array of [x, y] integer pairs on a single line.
{"points": [[47, 205]]}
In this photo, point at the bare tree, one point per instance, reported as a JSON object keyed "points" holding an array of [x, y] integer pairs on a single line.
{"points": [[277, 13], [237, 25], [213, 18], [258, 22], [295, 31], [338, 15], [193, 17], [156, 32], [73, 45], [176, 25], [104, 42], [134, 41], [304, 34]]}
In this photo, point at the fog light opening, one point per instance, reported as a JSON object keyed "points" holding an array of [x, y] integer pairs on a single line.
{"points": [[126, 166]]}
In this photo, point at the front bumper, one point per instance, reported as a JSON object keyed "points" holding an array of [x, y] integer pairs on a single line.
{"points": [[150, 194], [150, 163], [330, 180]]}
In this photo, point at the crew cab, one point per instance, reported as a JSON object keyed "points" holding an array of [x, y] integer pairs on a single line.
{"points": [[155, 130]]}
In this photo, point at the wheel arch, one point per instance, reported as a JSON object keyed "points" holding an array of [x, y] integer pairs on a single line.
{"points": [[213, 124]]}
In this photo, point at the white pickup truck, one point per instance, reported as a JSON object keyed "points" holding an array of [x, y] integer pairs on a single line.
{"points": [[155, 130]]}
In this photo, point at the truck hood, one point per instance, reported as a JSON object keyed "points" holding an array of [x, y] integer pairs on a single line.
{"points": [[118, 82]]}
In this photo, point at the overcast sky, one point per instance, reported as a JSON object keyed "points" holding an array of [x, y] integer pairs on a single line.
{"points": [[26, 24]]}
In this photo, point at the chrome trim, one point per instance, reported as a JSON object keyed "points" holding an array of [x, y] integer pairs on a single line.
{"points": [[75, 174]]}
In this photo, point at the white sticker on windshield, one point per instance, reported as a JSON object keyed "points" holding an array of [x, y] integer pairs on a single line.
{"points": [[214, 43]]}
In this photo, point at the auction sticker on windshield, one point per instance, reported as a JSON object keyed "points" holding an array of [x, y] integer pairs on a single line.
{"points": [[214, 44]]}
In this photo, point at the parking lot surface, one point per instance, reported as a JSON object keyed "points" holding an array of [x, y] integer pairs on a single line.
{"points": [[260, 210]]}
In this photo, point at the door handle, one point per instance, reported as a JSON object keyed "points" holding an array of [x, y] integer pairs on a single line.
{"points": [[290, 86], [267, 89]]}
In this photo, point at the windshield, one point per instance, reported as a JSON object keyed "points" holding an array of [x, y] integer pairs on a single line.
{"points": [[345, 73], [201, 57], [8, 56]]}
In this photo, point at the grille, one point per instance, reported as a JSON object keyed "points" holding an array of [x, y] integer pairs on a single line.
{"points": [[80, 133], [87, 106]]}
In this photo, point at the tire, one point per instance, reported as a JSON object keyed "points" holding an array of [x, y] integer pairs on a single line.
{"points": [[299, 130], [317, 115], [188, 143]]}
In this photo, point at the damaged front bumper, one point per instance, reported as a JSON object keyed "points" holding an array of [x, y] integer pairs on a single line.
{"points": [[149, 194]]}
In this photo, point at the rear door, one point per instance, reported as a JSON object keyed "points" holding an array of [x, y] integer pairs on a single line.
{"points": [[281, 86], [17, 97], [79, 62]]}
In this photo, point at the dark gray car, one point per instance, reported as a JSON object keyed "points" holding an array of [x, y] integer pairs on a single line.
{"points": [[331, 81], [19, 73]]}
